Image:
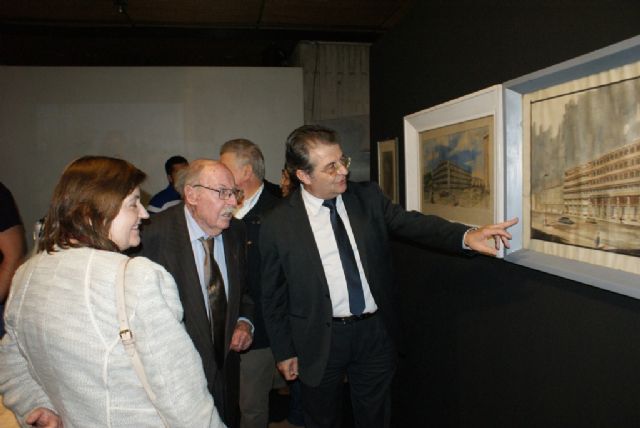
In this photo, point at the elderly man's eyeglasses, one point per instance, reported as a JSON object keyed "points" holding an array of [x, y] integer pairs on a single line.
{"points": [[334, 167], [223, 193]]}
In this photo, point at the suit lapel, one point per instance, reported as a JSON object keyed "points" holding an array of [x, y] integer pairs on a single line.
{"points": [[187, 277], [259, 206], [302, 233], [231, 253]]}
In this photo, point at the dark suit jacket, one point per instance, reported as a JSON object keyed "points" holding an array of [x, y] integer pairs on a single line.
{"points": [[165, 240], [253, 220], [296, 301]]}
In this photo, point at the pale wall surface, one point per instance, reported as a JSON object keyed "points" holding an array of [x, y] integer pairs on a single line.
{"points": [[52, 115]]}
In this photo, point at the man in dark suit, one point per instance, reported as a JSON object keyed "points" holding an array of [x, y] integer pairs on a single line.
{"points": [[175, 238], [328, 292], [246, 162]]}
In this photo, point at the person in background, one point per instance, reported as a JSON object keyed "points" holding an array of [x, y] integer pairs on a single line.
{"points": [[12, 244], [12, 252], [204, 248], [169, 196], [287, 185], [328, 293], [246, 162], [63, 351]]}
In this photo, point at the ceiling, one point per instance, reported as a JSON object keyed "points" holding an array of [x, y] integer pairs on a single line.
{"points": [[211, 32]]}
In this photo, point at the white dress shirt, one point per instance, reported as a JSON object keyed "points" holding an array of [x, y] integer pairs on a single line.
{"points": [[195, 233], [248, 203], [328, 249]]}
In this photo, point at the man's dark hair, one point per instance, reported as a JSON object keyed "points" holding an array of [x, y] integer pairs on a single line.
{"points": [[300, 141], [173, 160]]}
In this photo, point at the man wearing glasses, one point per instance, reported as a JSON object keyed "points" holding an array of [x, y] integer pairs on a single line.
{"points": [[328, 289], [204, 248]]}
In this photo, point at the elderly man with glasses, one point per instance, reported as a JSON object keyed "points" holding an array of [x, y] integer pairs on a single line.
{"points": [[204, 248], [328, 289]]}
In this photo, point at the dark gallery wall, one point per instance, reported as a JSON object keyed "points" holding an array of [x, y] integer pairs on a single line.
{"points": [[490, 343]]}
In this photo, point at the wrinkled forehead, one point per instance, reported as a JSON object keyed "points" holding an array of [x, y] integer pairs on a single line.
{"points": [[217, 176]]}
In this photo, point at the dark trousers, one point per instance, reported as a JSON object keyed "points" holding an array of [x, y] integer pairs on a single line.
{"points": [[363, 353], [296, 411], [226, 391]]}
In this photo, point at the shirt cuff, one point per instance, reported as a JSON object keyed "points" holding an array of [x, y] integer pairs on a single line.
{"points": [[249, 322], [464, 237]]}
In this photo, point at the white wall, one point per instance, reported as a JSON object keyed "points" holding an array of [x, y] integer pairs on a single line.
{"points": [[52, 115]]}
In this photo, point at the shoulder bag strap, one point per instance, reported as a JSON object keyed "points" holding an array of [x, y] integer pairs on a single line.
{"points": [[126, 336]]}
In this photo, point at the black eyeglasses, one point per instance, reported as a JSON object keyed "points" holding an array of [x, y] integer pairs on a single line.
{"points": [[223, 193], [333, 167]]}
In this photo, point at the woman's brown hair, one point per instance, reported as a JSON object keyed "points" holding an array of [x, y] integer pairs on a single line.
{"points": [[85, 201]]}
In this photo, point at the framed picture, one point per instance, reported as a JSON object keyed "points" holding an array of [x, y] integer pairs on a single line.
{"points": [[388, 168], [573, 168], [454, 158]]}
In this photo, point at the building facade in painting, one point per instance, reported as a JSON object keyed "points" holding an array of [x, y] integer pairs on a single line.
{"points": [[450, 176], [607, 188]]}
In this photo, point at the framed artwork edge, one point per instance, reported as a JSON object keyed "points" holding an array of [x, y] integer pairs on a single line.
{"points": [[517, 177], [480, 104]]}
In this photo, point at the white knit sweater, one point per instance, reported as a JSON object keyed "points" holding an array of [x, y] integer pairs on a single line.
{"points": [[62, 350]]}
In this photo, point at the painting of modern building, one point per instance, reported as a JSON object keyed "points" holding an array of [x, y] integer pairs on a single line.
{"points": [[607, 188]]}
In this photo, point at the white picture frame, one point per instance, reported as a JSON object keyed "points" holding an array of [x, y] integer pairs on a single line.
{"points": [[517, 174], [447, 120]]}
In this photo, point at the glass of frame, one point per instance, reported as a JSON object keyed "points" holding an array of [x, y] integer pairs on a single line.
{"points": [[453, 155], [388, 168], [573, 168]]}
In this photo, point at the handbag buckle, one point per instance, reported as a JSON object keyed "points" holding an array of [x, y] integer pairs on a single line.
{"points": [[126, 335]]}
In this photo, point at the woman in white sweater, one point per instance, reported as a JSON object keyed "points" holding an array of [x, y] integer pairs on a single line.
{"points": [[62, 350]]}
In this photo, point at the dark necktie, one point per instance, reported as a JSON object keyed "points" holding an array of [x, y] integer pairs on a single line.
{"points": [[348, 259], [217, 300]]}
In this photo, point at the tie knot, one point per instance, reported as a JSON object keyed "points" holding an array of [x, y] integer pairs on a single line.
{"points": [[207, 242], [330, 203]]}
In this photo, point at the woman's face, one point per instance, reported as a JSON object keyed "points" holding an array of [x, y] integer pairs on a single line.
{"points": [[125, 227]]}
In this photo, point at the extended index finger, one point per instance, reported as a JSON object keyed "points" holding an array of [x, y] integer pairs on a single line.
{"points": [[506, 224]]}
